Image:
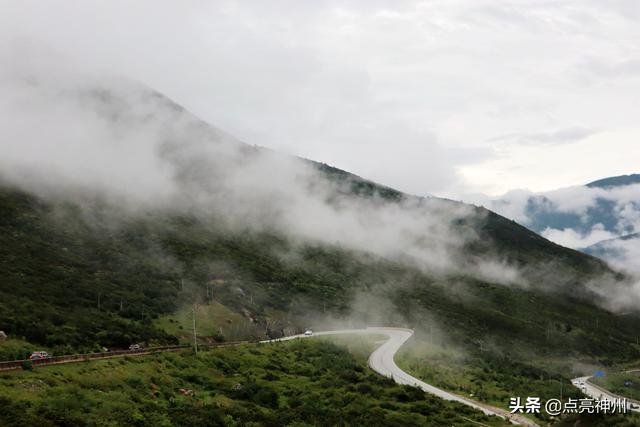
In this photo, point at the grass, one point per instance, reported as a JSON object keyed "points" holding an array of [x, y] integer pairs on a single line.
{"points": [[213, 320], [494, 380], [485, 377], [16, 349], [614, 381], [300, 383]]}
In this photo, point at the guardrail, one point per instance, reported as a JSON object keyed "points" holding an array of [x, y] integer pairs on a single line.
{"points": [[82, 357]]}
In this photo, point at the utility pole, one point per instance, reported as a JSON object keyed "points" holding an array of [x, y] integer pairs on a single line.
{"points": [[547, 331], [195, 333], [560, 388]]}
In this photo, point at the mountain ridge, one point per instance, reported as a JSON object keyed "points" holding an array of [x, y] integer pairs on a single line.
{"points": [[615, 181]]}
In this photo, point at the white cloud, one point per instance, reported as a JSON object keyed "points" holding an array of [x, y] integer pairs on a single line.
{"points": [[623, 254], [574, 239], [546, 167]]}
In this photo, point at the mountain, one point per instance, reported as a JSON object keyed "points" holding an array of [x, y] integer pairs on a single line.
{"points": [[615, 181], [262, 243], [79, 285]]}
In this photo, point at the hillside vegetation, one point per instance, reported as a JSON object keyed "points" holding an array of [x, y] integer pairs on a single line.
{"points": [[307, 383]]}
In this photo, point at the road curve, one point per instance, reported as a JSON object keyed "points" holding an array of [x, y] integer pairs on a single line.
{"points": [[597, 392], [382, 362]]}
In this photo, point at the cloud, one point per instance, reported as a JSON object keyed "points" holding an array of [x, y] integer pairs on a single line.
{"points": [[600, 68], [561, 136], [66, 131], [579, 217], [409, 93], [573, 239], [622, 253]]}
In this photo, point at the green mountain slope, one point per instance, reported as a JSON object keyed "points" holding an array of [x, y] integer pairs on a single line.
{"points": [[81, 270], [70, 283]]}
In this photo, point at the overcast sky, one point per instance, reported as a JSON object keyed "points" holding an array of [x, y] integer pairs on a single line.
{"points": [[443, 97]]}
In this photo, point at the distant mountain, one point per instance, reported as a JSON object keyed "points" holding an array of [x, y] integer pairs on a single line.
{"points": [[594, 218], [615, 181], [603, 248], [543, 212]]}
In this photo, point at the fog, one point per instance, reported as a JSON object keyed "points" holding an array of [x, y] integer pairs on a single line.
{"points": [[72, 132], [67, 130]]}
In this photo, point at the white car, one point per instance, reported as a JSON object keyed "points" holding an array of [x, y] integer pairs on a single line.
{"points": [[308, 332]]}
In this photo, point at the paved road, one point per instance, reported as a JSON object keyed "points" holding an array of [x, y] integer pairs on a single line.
{"points": [[600, 393], [382, 362]]}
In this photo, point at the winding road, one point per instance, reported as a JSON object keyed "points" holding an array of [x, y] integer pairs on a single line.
{"points": [[382, 362], [597, 392]]}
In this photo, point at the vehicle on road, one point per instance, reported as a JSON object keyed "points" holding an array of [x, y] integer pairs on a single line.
{"points": [[308, 332], [37, 355], [134, 347]]}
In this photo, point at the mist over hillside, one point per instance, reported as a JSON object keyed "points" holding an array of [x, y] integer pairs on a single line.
{"points": [[118, 199], [79, 135]]}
